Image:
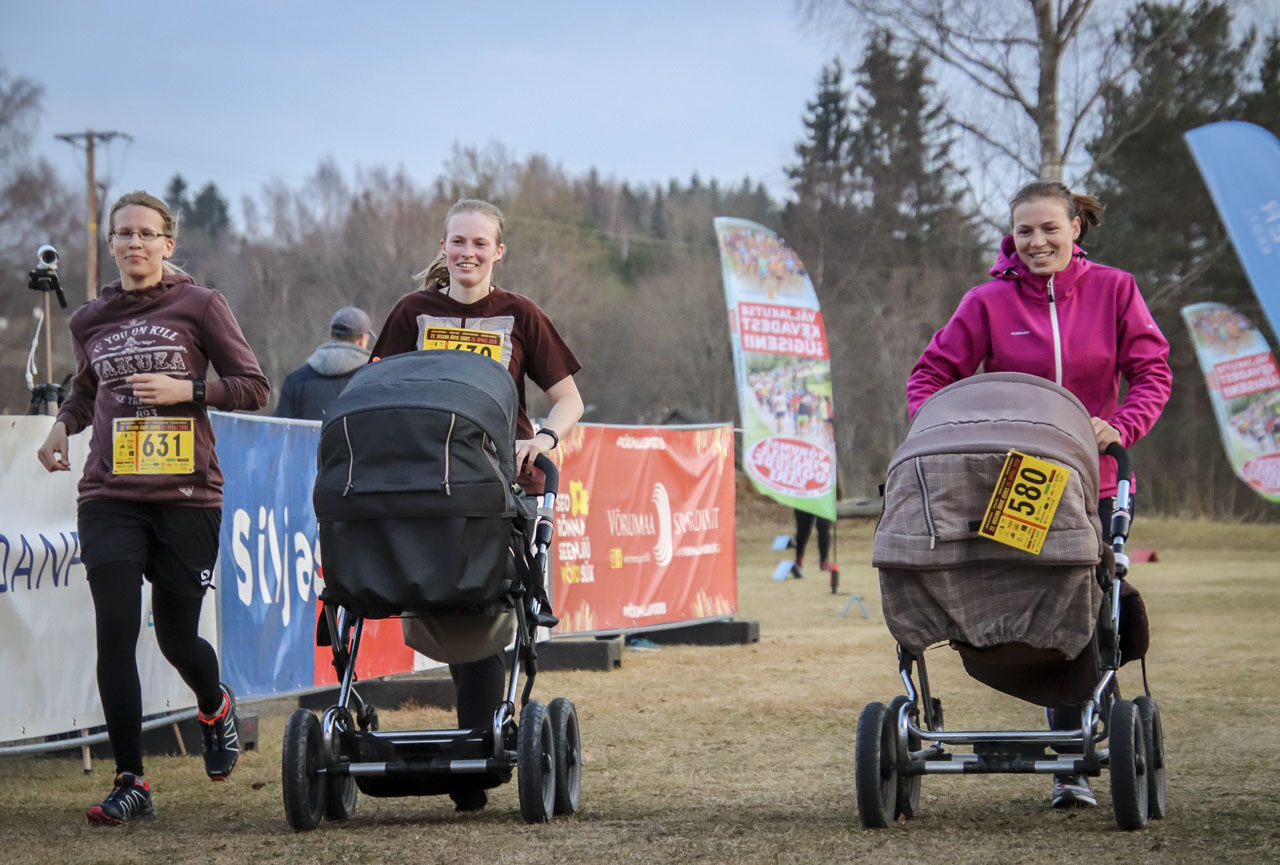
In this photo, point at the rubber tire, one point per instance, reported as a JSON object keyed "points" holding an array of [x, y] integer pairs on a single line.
{"points": [[875, 771], [1153, 734], [1128, 767], [907, 802], [568, 753], [536, 764], [304, 790]]}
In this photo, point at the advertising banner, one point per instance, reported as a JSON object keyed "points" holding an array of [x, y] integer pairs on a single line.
{"points": [[47, 646], [1244, 388], [1240, 163], [782, 367], [644, 527]]}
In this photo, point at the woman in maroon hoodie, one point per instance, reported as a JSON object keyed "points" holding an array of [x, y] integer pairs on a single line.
{"points": [[151, 495]]}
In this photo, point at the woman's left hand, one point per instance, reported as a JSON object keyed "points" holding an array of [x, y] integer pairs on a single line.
{"points": [[155, 389], [528, 450], [1105, 433]]}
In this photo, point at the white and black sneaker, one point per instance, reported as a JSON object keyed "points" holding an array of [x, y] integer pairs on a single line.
{"points": [[129, 799], [1072, 791], [221, 741]]}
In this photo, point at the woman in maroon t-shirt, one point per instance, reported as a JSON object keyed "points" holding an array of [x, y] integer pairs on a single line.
{"points": [[458, 301], [151, 493]]}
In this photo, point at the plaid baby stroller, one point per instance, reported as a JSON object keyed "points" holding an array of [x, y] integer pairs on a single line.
{"points": [[419, 513], [1045, 627]]}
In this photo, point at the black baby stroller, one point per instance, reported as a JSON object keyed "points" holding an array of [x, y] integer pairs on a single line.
{"points": [[1045, 627], [419, 513]]}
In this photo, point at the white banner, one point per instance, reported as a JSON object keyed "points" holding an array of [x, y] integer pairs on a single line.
{"points": [[48, 656]]}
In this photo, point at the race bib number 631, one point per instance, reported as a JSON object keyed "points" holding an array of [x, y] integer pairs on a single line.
{"points": [[153, 446]]}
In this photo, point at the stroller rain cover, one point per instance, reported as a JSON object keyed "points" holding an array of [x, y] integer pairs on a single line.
{"points": [[940, 580]]}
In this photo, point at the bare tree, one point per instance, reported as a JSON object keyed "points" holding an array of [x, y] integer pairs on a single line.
{"points": [[1026, 76]]}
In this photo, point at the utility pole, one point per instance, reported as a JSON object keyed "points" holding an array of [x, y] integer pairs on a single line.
{"points": [[88, 137]]}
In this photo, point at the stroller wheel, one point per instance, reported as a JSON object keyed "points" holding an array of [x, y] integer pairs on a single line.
{"points": [[304, 787], [568, 753], [340, 790], [875, 771], [1129, 792], [1149, 715], [908, 799], [536, 764]]}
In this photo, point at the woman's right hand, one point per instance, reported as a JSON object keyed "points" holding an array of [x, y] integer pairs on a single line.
{"points": [[53, 453]]}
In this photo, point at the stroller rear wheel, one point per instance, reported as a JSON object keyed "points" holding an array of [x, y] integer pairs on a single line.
{"points": [[908, 799], [1129, 791], [536, 764], [1149, 714], [568, 753], [875, 766], [304, 787]]}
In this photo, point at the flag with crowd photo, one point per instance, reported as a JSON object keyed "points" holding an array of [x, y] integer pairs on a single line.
{"points": [[1244, 387], [782, 367], [1240, 163]]}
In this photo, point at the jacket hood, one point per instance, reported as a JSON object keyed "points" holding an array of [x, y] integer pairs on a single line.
{"points": [[1010, 267], [114, 290], [338, 358]]}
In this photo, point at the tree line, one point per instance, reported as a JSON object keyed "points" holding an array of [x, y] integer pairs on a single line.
{"points": [[885, 207]]}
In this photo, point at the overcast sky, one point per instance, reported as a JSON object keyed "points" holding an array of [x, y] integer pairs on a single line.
{"points": [[242, 92]]}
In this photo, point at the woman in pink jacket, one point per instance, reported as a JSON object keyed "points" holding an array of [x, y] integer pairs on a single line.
{"points": [[1049, 311]]}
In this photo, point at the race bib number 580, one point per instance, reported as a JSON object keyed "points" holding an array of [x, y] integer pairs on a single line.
{"points": [[153, 446], [1024, 502], [483, 342]]}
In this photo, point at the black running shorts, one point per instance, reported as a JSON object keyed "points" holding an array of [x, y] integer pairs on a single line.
{"points": [[176, 546]]}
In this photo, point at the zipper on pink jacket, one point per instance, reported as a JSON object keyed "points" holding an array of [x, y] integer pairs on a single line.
{"points": [[1057, 337]]}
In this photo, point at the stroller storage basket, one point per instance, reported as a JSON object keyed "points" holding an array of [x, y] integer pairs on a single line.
{"points": [[415, 494]]}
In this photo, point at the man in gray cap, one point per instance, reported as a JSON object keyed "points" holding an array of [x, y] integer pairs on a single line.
{"points": [[309, 389]]}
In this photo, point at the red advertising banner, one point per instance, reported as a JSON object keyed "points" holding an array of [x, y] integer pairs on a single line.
{"points": [[644, 528]]}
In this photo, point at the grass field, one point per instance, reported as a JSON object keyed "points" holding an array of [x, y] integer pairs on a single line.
{"points": [[744, 754]]}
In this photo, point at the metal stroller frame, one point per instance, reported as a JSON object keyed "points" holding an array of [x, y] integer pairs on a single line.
{"points": [[1121, 736], [323, 758]]}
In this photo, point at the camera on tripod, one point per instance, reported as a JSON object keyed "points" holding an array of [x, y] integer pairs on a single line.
{"points": [[45, 276]]}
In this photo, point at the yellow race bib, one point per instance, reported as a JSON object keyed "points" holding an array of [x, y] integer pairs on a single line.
{"points": [[153, 445], [483, 342], [1024, 502]]}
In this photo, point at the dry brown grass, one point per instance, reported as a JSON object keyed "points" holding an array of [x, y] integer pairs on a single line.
{"points": [[744, 754]]}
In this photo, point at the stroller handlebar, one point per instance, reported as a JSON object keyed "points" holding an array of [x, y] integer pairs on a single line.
{"points": [[1122, 512], [548, 468]]}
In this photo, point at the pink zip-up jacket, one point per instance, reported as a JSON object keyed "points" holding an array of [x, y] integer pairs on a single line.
{"points": [[1083, 328]]}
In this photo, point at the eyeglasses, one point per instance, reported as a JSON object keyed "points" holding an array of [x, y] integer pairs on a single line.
{"points": [[144, 236]]}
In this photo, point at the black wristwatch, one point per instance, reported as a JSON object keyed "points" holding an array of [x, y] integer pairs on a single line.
{"points": [[197, 390], [555, 439]]}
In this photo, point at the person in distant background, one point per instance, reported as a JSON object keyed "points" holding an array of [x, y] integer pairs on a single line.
{"points": [[309, 390]]}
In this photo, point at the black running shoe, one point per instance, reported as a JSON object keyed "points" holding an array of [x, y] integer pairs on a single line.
{"points": [[129, 799], [221, 741], [1072, 791], [469, 800]]}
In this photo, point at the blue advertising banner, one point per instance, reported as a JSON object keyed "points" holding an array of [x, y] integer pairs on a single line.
{"points": [[1240, 163], [269, 553]]}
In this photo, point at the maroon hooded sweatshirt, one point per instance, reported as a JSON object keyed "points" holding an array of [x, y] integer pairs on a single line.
{"points": [[176, 328]]}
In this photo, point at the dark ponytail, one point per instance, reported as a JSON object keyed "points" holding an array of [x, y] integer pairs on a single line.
{"points": [[1087, 207]]}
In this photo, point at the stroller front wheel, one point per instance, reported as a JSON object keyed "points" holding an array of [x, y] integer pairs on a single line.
{"points": [[568, 750], [304, 786], [875, 766], [1149, 715]]}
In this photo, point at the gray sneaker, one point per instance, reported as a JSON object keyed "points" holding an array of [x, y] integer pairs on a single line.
{"points": [[1072, 791]]}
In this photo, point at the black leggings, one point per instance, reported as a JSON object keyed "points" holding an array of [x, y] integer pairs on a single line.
{"points": [[117, 604], [479, 687], [805, 522]]}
